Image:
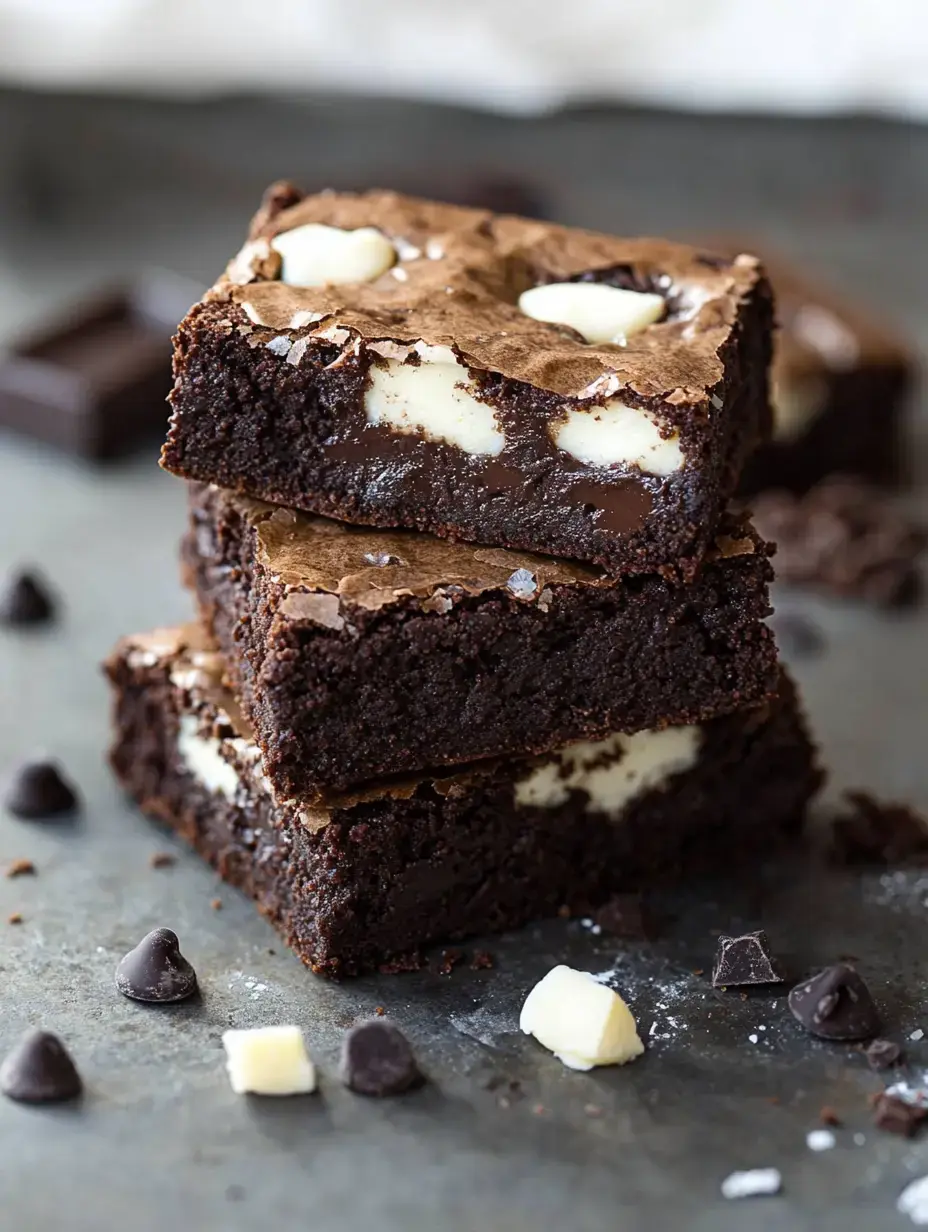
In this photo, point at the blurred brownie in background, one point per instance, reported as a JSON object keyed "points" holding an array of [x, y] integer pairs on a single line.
{"points": [[839, 384]]}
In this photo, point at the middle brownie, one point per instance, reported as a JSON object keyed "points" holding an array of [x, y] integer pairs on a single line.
{"points": [[358, 653]]}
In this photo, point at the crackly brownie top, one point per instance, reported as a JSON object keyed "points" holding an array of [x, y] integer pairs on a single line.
{"points": [[452, 278], [328, 567]]}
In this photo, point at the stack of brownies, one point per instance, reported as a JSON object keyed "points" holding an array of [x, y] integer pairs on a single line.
{"points": [[479, 638]]}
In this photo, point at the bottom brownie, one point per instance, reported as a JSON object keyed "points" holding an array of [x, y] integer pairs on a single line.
{"points": [[368, 878]]}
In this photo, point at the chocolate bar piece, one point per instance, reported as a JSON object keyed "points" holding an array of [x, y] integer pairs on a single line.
{"points": [[392, 362], [358, 880], [94, 384], [358, 653], [840, 380]]}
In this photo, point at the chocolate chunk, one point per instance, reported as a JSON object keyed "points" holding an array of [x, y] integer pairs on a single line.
{"points": [[377, 1059], [156, 970], [39, 1070], [94, 383], [745, 960], [896, 1116], [38, 789], [874, 832], [25, 601], [836, 1004], [845, 538], [883, 1053]]}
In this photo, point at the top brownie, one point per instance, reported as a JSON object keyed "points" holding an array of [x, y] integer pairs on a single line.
{"points": [[395, 362]]}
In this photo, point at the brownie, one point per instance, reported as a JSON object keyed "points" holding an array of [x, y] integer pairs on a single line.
{"points": [[840, 379], [358, 880], [494, 379], [358, 653]]}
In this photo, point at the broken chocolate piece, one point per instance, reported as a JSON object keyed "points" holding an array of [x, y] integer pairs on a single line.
{"points": [[25, 601], [156, 970], [377, 1059], [896, 1116], [39, 1070], [836, 1004], [94, 383], [844, 538], [38, 789], [874, 832], [745, 960], [883, 1053]]}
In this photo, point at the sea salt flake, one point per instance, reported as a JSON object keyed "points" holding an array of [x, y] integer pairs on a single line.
{"points": [[757, 1182]]}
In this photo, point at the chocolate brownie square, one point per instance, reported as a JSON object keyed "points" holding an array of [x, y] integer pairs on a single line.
{"points": [[357, 880], [358, 653], [393, 362]]}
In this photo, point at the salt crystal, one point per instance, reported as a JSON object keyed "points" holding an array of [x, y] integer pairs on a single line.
{"points": [[751, 1184]]}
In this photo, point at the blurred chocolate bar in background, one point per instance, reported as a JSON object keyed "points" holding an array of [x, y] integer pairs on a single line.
{"points": [[93, 382]]}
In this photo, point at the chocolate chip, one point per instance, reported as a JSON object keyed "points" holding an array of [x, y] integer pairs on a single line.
{"points": [[883, 1053], [37, 789], [156, 970], [377, 1059], [39, 1070], [836, 1004], [25, 601], [745, 960], [896, 1116]]}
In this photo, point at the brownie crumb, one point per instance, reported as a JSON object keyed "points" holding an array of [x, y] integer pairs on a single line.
{"points": [[216, 904], [379, 1011], [482, 961], [21, 868], [449, 960], [162, 859], [895, 1116], [14, 918], [875, 832], [845, 538], [828, 1116], [402, 963]]}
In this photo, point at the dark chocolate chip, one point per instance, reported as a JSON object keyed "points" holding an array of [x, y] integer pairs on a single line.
{"points": [[836, 1004], [39, 1070], [156, 970], [377, 1059], [25, 601], [38, 789], [883, 1053], [896, 1116], [745, 960]]}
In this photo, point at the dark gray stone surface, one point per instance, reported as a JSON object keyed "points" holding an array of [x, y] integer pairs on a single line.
{"points": [[93, 190]]}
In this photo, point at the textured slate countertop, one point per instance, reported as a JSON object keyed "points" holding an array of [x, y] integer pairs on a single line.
{"points": [[91, 190]]}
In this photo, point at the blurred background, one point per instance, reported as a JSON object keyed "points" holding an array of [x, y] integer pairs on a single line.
{"points": [[139, 133]]}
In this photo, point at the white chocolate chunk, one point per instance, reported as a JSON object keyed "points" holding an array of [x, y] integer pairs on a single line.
{"points": [[204, 760], [796, 403], [612, 772], [432, 398], [754, 1183], [824, 332], [268, 1061], [617, 434], [316, 256], [584, 1023], [600, 313]]}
